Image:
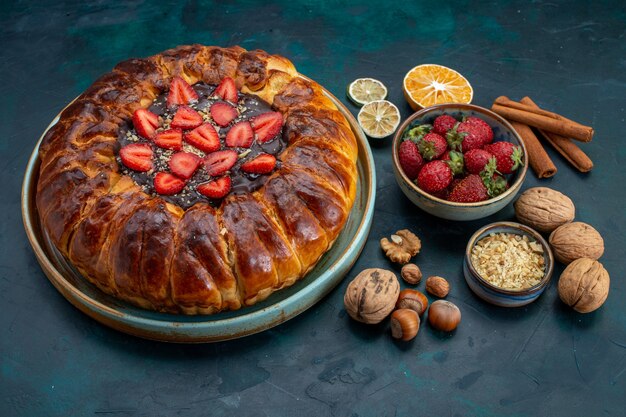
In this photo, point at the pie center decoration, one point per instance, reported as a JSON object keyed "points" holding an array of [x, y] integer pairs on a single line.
{"points": [[201, 142]]}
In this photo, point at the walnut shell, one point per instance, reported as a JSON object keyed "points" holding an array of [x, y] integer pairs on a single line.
{"points": [[544, 209], [372, 295], [576, 240], [403, 245], [584, 285]]}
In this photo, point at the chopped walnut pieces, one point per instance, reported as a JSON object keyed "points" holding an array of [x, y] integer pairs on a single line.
{"points": [[402, 247], [509, 261]]}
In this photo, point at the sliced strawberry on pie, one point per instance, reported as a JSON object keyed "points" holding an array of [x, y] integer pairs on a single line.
{"points": [[137, 156], [145, 123], [227, 90], [262, 164], [184, 164], [267, 125], [219, 162], [240, 135], [223, 113], [186, 118], [180, 93], [169, 139], [204, 137], [215, 189], [168, 184]]}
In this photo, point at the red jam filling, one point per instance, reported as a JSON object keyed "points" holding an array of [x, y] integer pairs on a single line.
{"points": [[201, 143]]}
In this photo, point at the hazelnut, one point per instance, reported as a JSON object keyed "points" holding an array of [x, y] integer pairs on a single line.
{"points": [[411, 274], [402, 247], [544, 209], [444, 316], [413, 300], [576, 240], [371, 295], [405, 324], [437, 286], [584, 285]]}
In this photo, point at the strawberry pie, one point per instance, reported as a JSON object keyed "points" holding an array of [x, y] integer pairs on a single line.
{"points": [[198, 180]]}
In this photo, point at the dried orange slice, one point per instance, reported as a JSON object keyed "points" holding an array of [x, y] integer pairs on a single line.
{"points": [[430, 84]]}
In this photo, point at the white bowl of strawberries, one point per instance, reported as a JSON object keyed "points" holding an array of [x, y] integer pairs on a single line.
{"points": [[459, 161]]}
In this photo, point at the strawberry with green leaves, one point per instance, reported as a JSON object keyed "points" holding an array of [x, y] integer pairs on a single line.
{"points": [[476, 160], [508, 156], [416, 133], [432, 146], [455, 160]]}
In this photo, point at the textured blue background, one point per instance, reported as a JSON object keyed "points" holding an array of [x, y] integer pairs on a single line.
{"points": [[542, 360]]}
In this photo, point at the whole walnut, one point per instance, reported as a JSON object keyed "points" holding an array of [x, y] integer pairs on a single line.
{"points": [[576, 240], [584, 285], [544, 209], [372, 295]]}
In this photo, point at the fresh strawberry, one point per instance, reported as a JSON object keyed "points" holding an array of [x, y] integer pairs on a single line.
{"points": [[184, 164], [508, 156], [217, 163], [204, 137], [137, 156], [487, 132], [169, 139], [168, 184], [263, 164], [215, 189], [465, 137], [240, 135], [180, 93], [186, 118], [223, 113], [410, 159], [145, 123], [434, 176], [416, 133], [443, 124], [227, 90], [455, 161], [469, 190], [267, 125], [432, 146], [476, 159]]}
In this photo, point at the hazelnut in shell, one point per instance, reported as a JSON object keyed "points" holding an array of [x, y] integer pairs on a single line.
{"points": [[544, 209], [372, 295], [405, 324], [437, 286], [584, 285], [411, 274], [576, 240], [413, 300], [444, 315]]}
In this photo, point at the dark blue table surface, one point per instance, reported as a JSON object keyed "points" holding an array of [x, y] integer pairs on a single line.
{"points": [[540, 360]]}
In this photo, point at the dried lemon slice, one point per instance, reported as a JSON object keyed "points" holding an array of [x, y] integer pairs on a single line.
{"points": [[379, 118], [364, 90], [430, 84]]}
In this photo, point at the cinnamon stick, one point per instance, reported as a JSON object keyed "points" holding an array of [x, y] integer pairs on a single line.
{"points": [[561, 126], [538, 159], [563, 145]]}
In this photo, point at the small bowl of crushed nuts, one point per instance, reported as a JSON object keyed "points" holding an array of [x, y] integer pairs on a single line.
{"points": [[508, 264]]}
